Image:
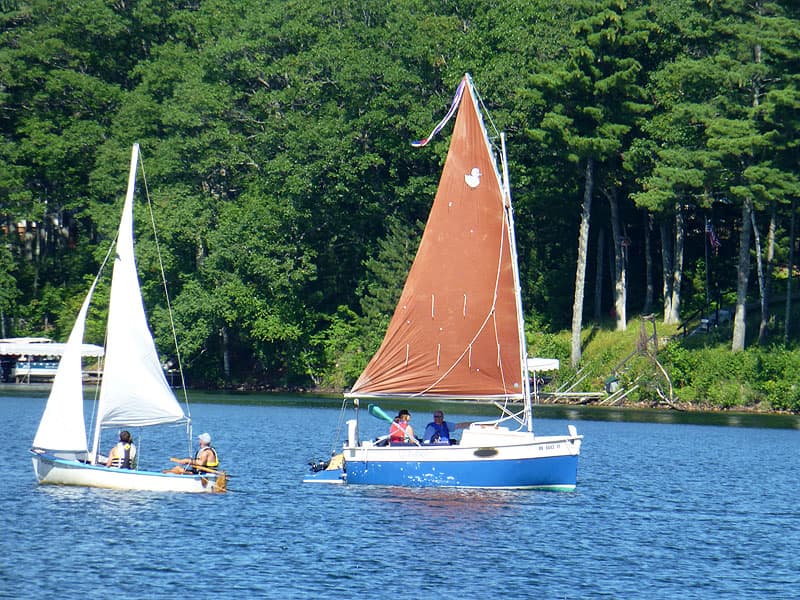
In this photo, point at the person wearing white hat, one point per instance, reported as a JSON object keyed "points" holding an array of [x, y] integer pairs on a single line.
{"points": [[204, 460]]}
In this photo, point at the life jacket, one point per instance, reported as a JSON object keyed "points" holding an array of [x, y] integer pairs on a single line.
{"points": [[441, 433], [124, 454], [397, 432], [214, 462]]}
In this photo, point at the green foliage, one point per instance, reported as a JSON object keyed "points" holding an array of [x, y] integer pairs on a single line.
{"points": [[347, 349], [719, 378], [8, 289], [275, 140]]}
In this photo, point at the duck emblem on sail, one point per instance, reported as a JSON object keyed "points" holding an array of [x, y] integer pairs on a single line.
{"points": [[473, 178]]}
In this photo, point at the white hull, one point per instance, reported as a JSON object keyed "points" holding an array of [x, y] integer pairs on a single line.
{"points": [[57, 471], [490, 443]]}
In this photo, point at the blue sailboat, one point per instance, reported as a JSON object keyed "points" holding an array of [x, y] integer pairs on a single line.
{"points": [[457, 333]]}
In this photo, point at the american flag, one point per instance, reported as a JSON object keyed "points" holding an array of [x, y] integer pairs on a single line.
{"points": [[712, 237]]}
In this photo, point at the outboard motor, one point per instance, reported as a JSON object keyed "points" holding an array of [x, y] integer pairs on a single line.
{"points": [[318, 465]]}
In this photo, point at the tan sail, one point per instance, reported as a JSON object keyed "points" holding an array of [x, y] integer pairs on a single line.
{"points": [[456, 329]]}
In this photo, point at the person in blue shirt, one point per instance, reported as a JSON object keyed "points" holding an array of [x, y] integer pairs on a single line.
{"points": [[439, 432]]}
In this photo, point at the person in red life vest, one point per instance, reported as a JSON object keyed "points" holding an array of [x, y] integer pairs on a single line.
{"points": [[123, 455], [401, 432]]}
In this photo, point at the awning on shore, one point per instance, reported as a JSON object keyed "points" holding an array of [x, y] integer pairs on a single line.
{"points": [[543, 364], [42, 347]]}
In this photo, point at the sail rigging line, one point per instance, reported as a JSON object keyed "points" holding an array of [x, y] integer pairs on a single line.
{"points": [[508, 414], [111, 249], [523, 345], [166, 295], [491, 315], [468, 349], [503, 223], [488, 114], [339, 427]]}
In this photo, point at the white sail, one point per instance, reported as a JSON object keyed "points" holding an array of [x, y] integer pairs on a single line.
{"points": [[62, 428], [134, 391]]}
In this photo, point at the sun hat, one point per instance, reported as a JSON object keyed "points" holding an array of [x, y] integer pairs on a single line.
{"points": [[204, 437]]}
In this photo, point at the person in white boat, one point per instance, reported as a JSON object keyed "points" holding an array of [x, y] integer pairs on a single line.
{"points": [[206, 456], [401, 432], [438, 431], [123, 454]]}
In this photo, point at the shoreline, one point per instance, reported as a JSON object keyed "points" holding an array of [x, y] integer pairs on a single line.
{"points": [[593, 401]]}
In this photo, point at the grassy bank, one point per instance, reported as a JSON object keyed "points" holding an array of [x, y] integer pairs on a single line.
{"points": [[652, 364]]}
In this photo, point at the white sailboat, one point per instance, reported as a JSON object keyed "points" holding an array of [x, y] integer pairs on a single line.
{"points": [[134, 392], [457, 334]]}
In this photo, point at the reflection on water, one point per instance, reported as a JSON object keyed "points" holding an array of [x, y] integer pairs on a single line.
{"points": [[97, 502], [445, 503], [648, 415]]}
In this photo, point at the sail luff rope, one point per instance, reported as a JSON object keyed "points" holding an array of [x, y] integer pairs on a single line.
{"points": [[494, 302], [164, 283], [488, 115], [507, 218]]}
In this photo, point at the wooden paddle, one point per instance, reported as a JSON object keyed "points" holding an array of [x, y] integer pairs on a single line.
{"points": [[220, 485], [200, 467]]}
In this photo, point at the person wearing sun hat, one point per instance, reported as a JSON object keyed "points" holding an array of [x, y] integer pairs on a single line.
{"points": [[401, 431], [206, 457]]}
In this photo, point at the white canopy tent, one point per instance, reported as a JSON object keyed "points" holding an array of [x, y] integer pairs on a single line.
{"points": [[42, 347], [539, 365], [27, 359]]}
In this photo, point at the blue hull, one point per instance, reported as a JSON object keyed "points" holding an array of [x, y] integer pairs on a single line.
{"points": [[557, 473]]}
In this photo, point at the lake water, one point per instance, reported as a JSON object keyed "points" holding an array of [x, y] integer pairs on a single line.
{"points": [[671, 509]]}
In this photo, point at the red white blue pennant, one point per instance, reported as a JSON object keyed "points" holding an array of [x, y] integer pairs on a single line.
{"points": [[443, 122]]}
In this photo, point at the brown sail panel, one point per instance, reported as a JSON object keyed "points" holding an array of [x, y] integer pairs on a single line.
{"points": [[455, 331]]}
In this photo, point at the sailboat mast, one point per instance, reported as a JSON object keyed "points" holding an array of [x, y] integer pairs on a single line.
{"points": [[526, 380], [128, 208]]}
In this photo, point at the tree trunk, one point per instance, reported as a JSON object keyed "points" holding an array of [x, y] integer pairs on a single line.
{"points": [[620, 283], [766, 315], [200, 252], [762, 289], [787, 317], [742, 277], [677, 267], [666, 268], [580, 271], [598, 278], [648, 265], [226, 353]]}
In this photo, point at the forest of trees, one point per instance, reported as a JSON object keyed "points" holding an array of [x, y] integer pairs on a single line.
{"points": [[275, 137]]}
